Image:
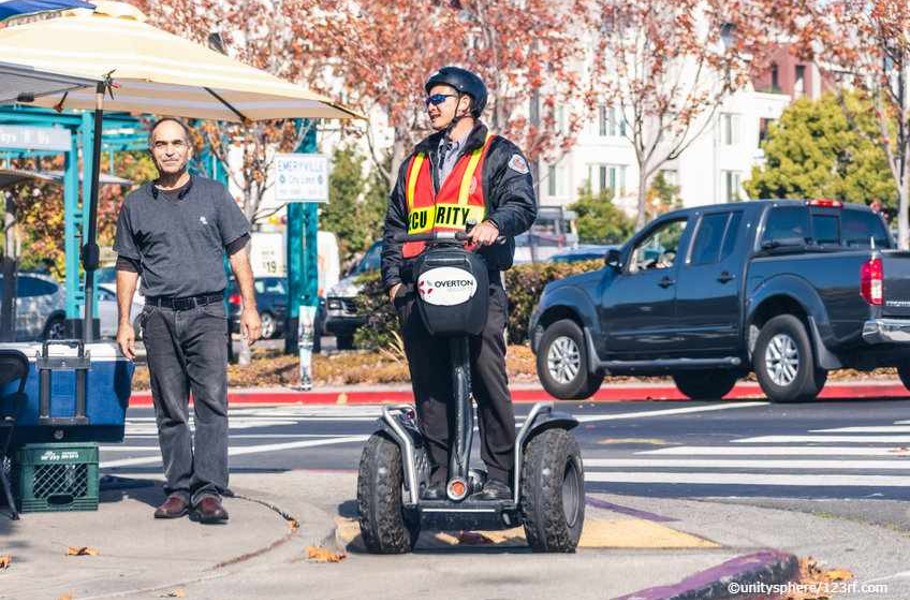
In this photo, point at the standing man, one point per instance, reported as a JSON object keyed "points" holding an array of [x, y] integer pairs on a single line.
{"points": [[175, 231], [460, 165]]}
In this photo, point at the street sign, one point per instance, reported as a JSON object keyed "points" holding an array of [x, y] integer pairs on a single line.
{"points": [[267, 254], [35, 138], [301, 178]]}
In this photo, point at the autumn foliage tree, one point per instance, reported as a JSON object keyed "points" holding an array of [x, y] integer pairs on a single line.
{"points": [[864, 45], [668, 67]]}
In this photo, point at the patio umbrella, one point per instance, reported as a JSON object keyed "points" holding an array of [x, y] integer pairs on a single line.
{"points": [[151, 71], [22, 83], [18, 8]]}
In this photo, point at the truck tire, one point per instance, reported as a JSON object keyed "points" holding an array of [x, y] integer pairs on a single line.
{"points": [[383, 524], [562, 362], [552, 492], [784, 363], [710, 384]]}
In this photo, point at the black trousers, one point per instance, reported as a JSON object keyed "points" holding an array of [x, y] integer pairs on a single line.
{"points": [[431, 379]]}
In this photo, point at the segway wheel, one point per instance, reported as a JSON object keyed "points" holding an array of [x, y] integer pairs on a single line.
{"points": [[552, 492], [383, 524]]}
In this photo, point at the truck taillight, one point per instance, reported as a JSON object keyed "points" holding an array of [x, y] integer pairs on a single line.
{"points": [[826, 202], [871, 276], [235, 299]]}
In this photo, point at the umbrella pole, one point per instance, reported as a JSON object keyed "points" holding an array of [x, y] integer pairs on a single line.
{"points": [[90, 251]]}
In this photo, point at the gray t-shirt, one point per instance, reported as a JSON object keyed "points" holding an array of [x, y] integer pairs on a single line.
{"points": [[179, 238]]}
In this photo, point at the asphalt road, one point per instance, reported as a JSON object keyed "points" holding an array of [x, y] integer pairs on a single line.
{"points": [[848, 458]]}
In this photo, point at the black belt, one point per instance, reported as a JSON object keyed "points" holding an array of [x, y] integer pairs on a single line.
{"points": [[185, 303]]}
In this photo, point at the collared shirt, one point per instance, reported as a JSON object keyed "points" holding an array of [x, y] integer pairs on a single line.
{"points": [[449, 151]]}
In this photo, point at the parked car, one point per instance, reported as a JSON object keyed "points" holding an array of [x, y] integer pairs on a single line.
{"points": [[341, 318], [108, 313], [585, 252], [271, 300], [40, 307], [787, 289]]}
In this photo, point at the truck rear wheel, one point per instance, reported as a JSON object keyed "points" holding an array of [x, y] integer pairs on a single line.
{"points": [[705, 385], [784, 363], [562, 362]]}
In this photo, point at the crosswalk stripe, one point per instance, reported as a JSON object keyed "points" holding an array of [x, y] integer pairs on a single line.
{"points": [[866, 429], [757, 479], [672, 463], [833, 439], [240, 450], [668, 412], [831, 451]]}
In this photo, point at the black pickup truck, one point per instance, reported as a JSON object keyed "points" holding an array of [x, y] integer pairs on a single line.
{"points": [[789, 289]]}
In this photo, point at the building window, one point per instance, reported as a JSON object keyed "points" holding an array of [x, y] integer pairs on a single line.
{"points": [[763, 126], [775, 78], [607, 177], [610, 122], [732, 181], [799, 81], [729, 129], [671, 176], [556, 180]]}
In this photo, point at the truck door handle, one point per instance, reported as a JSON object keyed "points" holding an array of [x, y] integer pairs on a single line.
{"points": [[665, 282], [726, 277]]}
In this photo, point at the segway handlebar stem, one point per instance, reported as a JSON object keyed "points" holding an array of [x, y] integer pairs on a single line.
{"points": [[437, 236]]}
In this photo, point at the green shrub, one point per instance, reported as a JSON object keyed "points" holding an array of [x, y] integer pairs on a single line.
{"points": [[382, 320], [525, 284]]}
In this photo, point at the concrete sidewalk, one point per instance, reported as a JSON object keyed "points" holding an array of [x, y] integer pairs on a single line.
{"points": [[532, 392], [646, 548]]}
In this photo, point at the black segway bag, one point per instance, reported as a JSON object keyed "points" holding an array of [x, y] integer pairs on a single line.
{"points": [[453, 290]]}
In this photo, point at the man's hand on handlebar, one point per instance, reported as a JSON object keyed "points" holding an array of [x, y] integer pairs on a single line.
{"points": [[485, 234]]}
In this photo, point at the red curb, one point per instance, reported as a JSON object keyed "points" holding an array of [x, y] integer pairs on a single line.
{"points": [[605, 394]]}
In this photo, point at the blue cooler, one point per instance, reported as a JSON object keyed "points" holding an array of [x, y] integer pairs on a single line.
{"points": [[86, 390]]}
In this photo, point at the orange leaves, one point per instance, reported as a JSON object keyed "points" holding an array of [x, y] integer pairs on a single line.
{"points": [[322, 555], [5, 561], [82, 551]]}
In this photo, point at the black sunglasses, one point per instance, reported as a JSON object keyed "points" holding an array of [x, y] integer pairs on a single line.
{"points": [[437, 99]]}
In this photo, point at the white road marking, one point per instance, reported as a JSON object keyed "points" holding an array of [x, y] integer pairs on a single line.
{"points": [[682, 463], [241, 450], [831, 451], [872, 429], [758, 479], [834, 439], [668, 411]]}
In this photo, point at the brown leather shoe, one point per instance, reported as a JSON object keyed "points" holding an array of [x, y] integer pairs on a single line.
{"points": [[173, 508], [209, 510]]}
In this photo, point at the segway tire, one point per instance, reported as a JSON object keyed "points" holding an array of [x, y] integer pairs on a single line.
{"points": [[552, 492], [383, 526]]}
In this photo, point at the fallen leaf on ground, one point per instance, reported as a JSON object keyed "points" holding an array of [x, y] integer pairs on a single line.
{"points": [[5, 561], [322, 555], [473, 538], [82, 551], [293, 524], [177, 593], [65, 597], [838, 575]]}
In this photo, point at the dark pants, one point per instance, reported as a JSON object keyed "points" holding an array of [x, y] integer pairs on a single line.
{"points": [[187, 352], [431, 379]]}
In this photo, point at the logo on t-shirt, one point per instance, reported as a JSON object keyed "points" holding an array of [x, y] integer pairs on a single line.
{"points": [[203, 221]]}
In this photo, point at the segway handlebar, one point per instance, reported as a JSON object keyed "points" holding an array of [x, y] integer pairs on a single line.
{"points": [[437, 236]]}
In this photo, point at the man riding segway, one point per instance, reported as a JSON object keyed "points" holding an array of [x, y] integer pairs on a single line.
{"points": [[460, 199]]}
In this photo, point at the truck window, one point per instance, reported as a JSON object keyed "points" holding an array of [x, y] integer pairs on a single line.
{"points": [[859, 227], [730, 236], [826, 230], [659, 249], [710, 234], [786, 223]]}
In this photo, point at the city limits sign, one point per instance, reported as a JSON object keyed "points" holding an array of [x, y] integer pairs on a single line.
{"points": [[301, 178]]}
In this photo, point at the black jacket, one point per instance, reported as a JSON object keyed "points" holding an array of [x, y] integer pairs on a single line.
{"points": [[509, 193]]}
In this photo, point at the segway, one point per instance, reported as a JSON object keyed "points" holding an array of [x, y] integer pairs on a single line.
{"points": [[548, 485]]}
